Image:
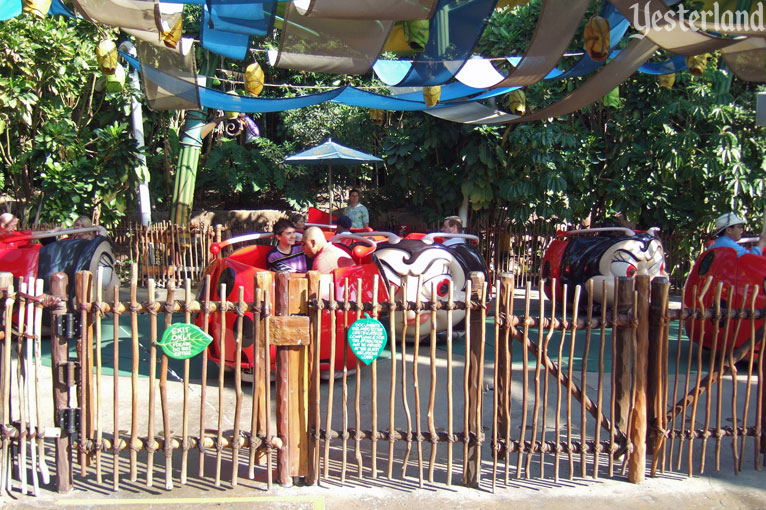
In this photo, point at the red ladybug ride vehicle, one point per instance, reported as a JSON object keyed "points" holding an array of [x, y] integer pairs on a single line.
{"points": [[380, 255], [599, 255]]}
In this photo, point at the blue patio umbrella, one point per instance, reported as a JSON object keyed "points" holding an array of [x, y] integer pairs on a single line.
{"points": [[331, 153]]}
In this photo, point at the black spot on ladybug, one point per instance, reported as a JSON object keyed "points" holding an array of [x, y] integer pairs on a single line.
{"points": [[228, 277], [247, 331], [706, 263], [547, 270]]}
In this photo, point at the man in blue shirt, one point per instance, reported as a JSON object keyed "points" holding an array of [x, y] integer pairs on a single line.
{"points": [[729, 229]]}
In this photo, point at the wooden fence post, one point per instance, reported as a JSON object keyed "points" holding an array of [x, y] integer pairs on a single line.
{"points": [[6, 290], [281, 309], [312, 475], [621, 363], [83, 292], [473, 472], [657, 372], [637, 461], [59, 364]]}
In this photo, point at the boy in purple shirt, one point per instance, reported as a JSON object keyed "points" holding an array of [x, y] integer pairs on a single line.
{"points": [[286, 255]]}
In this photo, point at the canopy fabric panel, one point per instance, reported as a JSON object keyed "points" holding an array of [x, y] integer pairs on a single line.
{"points": [[331, 152], [679, 38], [397, 10], [228, 44], [10, 9], [242, 16], [453, 32], [555, 28], [169, 77], [135, 14], [747, 59], [326, 45]]}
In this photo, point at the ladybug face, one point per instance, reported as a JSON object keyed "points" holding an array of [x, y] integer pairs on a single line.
{"points": [[628, 257]]}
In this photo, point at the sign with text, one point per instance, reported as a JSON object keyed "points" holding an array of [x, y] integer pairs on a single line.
{"points": [[367, 338], [184, 341]]}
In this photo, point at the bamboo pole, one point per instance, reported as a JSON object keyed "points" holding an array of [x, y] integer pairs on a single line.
{"points": [[374, 384], [257, 386], [508, 284], [637, 459], [38, 324], [358, 389], [392, 392], [450, 400], [97, 381], [584, 376], [600, 394], [719, 401], [314, 376], [536, 409], [26, 319], [116, 387], [221, 369], [750, 362], [496, 385], [405, 404], [570, 366], [152, 382], [185, 418], [134, 373], [432, 386], [344, 383], [203, 376], [267, 378], [237, 383], [331, 381], [415, 382], [557, 425], [525, 382], [282, 362], [711, 368]]}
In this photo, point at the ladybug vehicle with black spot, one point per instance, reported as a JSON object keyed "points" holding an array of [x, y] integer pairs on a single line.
{"points": [[599, 255], [744, 276], [395, 263]]}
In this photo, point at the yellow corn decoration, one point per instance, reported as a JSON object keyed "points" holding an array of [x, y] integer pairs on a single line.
{"points": [[254, 79], [667, 80], [517, 102], [172, 36], [431, 95], [106, 56], [37, 7], [377, 116], [597, 38], [697, 63]]}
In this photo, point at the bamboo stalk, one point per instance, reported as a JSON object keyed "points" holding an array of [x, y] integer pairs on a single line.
{"points": [[558, 392], [450, 402], [724, 351], [495, 386], [584, 376], [404, 381], [432, 388], [221, 369], [43, 467], [416, 388], [267, 385], [536, 409], [99, 432], [750, 361], [116, 388], [374, 384], [733, 369], [480, 377], [466, 375], [357, 412], [31, 425], [600, 395], [203, 376], [258, 296], [711, 368], [344, 389], [509, 303], [5, 378], [570, 363], [170, 300], [613, 381], [392, 392], [314, 277], [185, 418], [152, 382], [546, 342], [525, 382], [677, 375], [20, 378], [238, 384], [331, 382], [134, 373]]}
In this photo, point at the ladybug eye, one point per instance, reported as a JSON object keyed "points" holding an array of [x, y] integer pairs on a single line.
{"points": [[631, 271], [442, 288]]}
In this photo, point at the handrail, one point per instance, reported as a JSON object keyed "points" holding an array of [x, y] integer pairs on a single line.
{"points": [[429, 238], [392, 238], [215, 248], [345, 235], [626, 230]]}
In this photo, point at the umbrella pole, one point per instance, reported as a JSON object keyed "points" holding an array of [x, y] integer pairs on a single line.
{"points": [[329, 221]]}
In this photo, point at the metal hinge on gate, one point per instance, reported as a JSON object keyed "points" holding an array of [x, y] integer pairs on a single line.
{"points": [[69, 421], [67, 326]]}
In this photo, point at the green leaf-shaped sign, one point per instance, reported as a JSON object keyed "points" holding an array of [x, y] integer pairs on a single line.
{"points": [[367, 338], [184, 341]]}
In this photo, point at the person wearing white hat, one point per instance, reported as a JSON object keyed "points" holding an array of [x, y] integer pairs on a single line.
{"points": [[729, 228]]}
